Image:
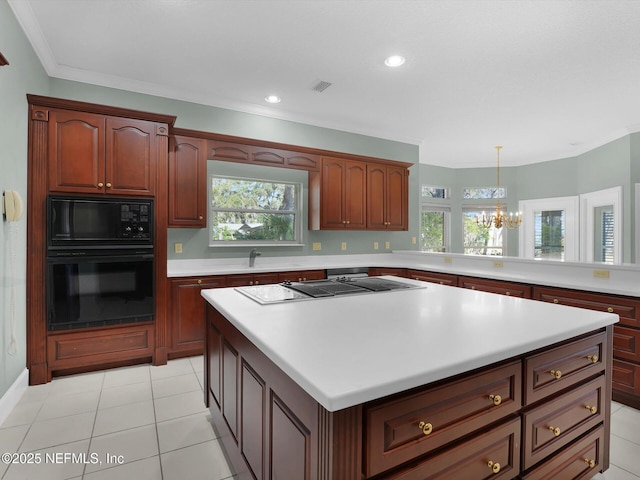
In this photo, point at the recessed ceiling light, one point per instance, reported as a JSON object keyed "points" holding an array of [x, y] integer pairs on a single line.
{"points": [[273, 99], [394, 61]]}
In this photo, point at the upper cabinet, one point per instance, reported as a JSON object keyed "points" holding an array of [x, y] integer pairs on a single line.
{"points": [[387, 197], [359, 195], [187, 182], [343, 194], [92, 153]]}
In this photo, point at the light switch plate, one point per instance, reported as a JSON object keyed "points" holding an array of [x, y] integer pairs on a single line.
{"points": [[344, 246], [317, 246], [177, 247]]}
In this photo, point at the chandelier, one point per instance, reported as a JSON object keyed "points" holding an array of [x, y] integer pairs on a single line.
{"points": [[499, 219]]}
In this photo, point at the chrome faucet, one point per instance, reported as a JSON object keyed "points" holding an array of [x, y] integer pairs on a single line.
{"points": [[252, 257]]}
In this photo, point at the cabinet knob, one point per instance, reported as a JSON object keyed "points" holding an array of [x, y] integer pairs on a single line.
{"points": [[251, 282], [199, 282], [593, 410], [497, 399], [593, 358], [200, 217], [100, 185], [610, 309], [494, 466], [508, 294], [108, 185], [555, 431], [426, 428], [256, 282], [555, 300], [591, 463], [556, 373]]}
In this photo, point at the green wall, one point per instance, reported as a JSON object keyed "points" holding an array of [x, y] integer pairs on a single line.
{"points": [[23, 75]]}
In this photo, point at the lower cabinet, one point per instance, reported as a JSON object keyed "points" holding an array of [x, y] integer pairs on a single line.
{"points": [[496, 286], [187, 313], [379, 271], [251, 279], [434, 277], [510, 420]]}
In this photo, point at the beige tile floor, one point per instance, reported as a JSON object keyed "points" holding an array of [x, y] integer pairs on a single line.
{"points": [[153, 424]]}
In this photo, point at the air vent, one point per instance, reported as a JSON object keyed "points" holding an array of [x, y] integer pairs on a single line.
{"points": [[321, 86]]}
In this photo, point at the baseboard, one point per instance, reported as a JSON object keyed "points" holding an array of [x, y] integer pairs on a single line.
{"points": [[11, 398]]}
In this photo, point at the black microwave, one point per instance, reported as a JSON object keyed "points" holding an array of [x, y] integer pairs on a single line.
{"points": [[99, 222]]}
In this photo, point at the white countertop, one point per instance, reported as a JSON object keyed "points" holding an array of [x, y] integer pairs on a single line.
{"points": [[619, 279], [348, 350]]}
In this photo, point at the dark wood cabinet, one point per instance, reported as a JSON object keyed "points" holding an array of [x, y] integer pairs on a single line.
{"points": [[433, 277], [187, 313], [379, 271], [626, 337], [343, 204], [509, 289], [251, 279], [92, 153], [387, 198], [187, 182], [301, 276]]}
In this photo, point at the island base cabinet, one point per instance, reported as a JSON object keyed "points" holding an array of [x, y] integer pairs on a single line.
{"points": [[271, 428]]}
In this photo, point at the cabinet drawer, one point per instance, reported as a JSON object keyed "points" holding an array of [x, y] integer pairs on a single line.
{"points": [[556, 423], [496, 286], [626, 343], [561, 367], [490, 455], [582, 459], [627, 308], [626, 377], [433, 277], [402, 429]]}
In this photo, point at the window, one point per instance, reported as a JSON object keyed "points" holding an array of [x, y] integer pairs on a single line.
{"points": [[483, 193], [429, 191], [254, 211], [479, 240], [434, 228], [549, 234]]}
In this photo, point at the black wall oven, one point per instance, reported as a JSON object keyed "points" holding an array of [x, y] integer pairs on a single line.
{"points": [[100, 262]]}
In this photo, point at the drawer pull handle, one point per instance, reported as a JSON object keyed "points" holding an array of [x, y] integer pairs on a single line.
{"points": [[593, 410], [555, 300], [591, 463], [556, 373], [555, 431], [593, 358], [426, 428], [610, 309], [497, 399], [495, 467]]}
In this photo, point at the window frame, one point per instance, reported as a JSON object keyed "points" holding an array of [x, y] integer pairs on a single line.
{"points": [[487, 208], [446, 234], [298, 214]]}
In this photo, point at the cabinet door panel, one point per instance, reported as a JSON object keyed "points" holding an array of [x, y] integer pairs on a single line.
{"points": [[253, 421], [187, 183], [356, 195], [376, 205], [130, 157], [215, 360], [333, 193], [290, 444], [230, 361], [76, 152], [396, 201]]}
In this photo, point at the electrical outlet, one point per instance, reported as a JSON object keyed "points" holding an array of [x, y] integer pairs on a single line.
{"points": [[317, 246], [601, 274], [387, 245], [448, 260], [414, 240], [177, 247], [498, 264], [375, 245], [344, 245]]}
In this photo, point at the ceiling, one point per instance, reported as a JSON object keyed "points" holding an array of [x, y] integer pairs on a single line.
{"points": [[547, 79]]}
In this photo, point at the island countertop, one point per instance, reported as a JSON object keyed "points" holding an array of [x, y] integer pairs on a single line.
{"points": [[348, 350]]}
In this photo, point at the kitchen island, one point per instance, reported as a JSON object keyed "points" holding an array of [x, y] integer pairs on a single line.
{"points": [[415, 383]]}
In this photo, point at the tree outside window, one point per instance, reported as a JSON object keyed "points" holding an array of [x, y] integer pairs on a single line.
{"points": [[257, 211]]}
